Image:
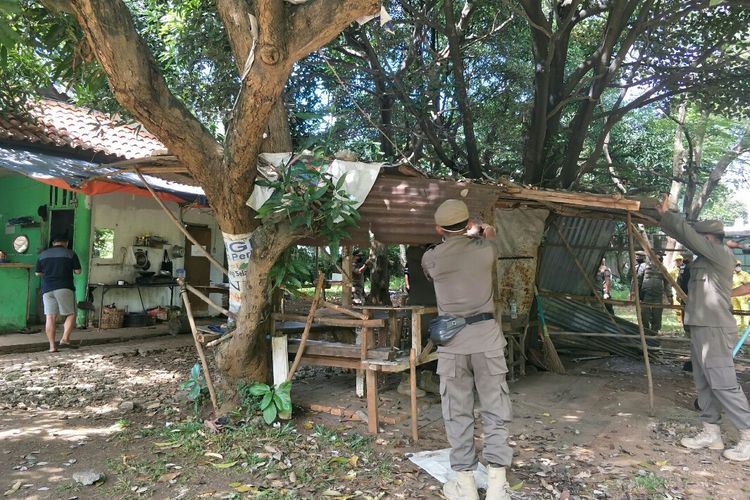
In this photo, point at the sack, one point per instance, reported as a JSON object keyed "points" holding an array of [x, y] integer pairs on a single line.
{"points": [[444, 328], [166, 264]]}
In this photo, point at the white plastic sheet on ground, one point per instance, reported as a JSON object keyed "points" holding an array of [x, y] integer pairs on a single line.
{"points": [[437, 464]]}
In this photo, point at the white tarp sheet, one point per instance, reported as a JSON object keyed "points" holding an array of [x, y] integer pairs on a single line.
{"points": [[437, 464]]}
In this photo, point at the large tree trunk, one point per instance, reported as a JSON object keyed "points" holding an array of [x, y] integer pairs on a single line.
{"points": [[244, 356]]}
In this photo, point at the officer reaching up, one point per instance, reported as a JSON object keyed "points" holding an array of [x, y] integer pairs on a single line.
{"points": [[461, 270]]}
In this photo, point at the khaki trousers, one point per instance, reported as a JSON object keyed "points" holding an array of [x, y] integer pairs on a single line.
{"points": [[715, 376], [460, 374]]}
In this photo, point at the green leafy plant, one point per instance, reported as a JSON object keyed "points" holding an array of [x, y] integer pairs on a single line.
{"points": [[273, 402], [196, 387], [307, 195]]}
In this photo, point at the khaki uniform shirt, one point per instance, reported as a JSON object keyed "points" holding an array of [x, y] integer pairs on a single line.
{"points": [[461, 270], [710, 282]]}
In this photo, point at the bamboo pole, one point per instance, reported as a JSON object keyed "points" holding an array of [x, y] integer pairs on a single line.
{"points": [[617, 335], [655, 260], [413, 393], [586, 276], [308, 325], [180, 226], [644, 345], [198, 347], [210, 302]]}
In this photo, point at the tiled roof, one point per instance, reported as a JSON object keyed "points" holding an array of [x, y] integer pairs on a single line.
{"points": [[59, 125]]}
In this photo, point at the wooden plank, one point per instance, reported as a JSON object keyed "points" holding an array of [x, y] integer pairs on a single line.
{"points": [[280, 357], [329, 321], [582, 199], [310, 360], [323, 348], [372, 401], [342, 310]]}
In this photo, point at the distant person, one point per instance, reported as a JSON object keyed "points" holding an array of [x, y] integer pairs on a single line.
{"points": [[653, 286], [712, 327], [57, 265], [604, 279], [359, 267], [740, 303], [640, 268]]}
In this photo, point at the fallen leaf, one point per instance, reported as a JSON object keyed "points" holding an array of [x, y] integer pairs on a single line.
{"points": [[353, 460], [517, 486], [308, 425], [169, 476], [16, 486], [292, 477], [270, 449], [213, 455], [225, 465], [244, 488]]}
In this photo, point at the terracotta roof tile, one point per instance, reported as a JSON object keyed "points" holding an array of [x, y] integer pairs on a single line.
{"points": [[59, 124]]}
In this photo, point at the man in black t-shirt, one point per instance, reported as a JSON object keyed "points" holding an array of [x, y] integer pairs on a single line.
{"points": [[56, 265]]}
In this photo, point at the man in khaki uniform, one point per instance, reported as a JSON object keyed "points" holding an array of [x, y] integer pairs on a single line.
{"points": [[712, 328], [461, 270]]}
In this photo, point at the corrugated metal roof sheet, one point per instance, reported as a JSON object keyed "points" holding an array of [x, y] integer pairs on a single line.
{"points": [[572, 316], [588, 238], [400, 209]]}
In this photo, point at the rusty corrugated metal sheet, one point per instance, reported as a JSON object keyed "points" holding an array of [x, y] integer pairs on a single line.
{"points": [[588, 238], [572, 316], [400, 209]]}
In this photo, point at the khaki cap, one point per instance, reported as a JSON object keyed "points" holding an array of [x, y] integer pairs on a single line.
{"points": [[679, 257], [451, 212], [709, 226], [739, 263]]}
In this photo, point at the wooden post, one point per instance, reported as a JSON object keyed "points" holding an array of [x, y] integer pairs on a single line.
{"points": [[208, 301], [416, 330], [372, 401], [413, 393], [181, 227], [644, 345], [308, 326], [362, 340], [346, 277], [393, 330], [198, 347], [279, 355]]}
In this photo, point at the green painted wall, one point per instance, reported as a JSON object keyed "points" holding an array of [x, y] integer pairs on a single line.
{"points": [[81, 246], [14, 284], [22, 196]]}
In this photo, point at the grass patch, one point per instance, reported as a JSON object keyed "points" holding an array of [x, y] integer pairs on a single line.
{"points": [[315, 460], [652, 485]]}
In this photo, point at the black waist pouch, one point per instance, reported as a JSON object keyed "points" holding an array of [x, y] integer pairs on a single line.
{"points": [[444, 328]]}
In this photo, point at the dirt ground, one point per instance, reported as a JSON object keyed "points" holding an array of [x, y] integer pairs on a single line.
{"points": [[117, 410]]}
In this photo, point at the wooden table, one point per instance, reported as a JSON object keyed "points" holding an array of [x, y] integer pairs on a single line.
{"points": [[355, 356]]}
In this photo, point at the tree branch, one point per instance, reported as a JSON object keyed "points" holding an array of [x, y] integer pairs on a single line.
{"points": [[139, 86], [317, 22]]}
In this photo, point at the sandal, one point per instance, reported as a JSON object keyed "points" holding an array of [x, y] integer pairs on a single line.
{"points": [[66, 345]]}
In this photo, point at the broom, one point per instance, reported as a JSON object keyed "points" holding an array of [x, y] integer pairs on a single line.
{"points": [[551, 359]]}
